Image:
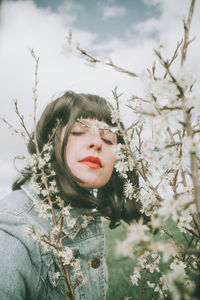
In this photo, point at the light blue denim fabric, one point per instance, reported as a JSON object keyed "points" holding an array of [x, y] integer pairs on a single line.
{"points": [[26, 272]]}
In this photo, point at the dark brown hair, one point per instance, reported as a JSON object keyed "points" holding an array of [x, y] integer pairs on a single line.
{"points": [[110, 201]]}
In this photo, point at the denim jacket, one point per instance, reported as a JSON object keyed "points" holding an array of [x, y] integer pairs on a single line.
{"points": [[26, 272]]}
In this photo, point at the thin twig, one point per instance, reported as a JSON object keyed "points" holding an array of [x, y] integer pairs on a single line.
{"points": [[187, 25], [173, 57], [35, 93], [22, 122], [109, 62]]}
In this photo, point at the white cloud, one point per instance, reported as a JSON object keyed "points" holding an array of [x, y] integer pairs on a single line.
{"points": [[167, 28], [113, 11], [67, 11], [151, 2], [147, 27]]}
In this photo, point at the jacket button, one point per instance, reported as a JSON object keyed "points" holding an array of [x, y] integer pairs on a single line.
{"points": [[95, 263]]}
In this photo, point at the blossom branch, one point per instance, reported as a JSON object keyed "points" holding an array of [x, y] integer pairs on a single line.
{"points": [[189, 130], [123, 132], [68, 280], [173, 57], [187, 25], [11, 127], [36, 81], [143, 284], [21, 117], [90, 58]]}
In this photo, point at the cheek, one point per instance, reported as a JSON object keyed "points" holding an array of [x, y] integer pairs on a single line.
{"points": [[111, 162], [68, 158], [71, 149], [69, 153]]}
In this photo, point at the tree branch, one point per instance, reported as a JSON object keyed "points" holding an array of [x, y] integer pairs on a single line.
{"points": [[187, 25]]}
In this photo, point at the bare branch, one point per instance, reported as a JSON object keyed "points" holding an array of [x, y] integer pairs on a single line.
{"points": [[22, 122], [110, 63], [11, 127], [35, 92], [173, 57], [187, 25]]}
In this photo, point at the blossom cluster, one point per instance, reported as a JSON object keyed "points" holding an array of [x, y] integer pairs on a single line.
{"points": [[50, 206], [164, 149]]}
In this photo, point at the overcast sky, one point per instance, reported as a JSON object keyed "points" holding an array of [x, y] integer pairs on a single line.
{"points": [[124, 30]]}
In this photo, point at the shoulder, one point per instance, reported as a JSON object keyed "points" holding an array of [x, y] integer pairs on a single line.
{"points": [[21, 258], [16, 202], [15, 219], [15, 213], [19, 254]]}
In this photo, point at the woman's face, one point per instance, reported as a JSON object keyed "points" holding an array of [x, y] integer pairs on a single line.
{"points": [[89, 154]]}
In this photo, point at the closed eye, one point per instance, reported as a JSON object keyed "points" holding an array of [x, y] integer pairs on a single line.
{"points": [[107, 141], [77, 133]]}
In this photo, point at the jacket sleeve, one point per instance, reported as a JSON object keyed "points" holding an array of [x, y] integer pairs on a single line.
{"points": [[15, 268], [20, 262]]}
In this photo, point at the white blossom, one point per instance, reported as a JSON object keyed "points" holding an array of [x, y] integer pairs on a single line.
{"points": [[162, 286], [36, 187], [56, 275], [53, 187], [167, 249], [143, 259], [184, 223], [66, 254], [44, 192], [86, 221], [191, 145], [166, 208], [152, 264], [124, 248], [48, 148], [115, 115], [59, 201], [185, 77], [150, 284], [130, 191], [42, 208], [137, 233], [156, 222], [178, 265], [135, 277], [70, 221], [148, 200], [66, 210], [178, 277], [55, 230]]}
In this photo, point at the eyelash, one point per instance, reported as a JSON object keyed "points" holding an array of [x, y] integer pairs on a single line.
{"points": [[107, 142], [77, 133]]}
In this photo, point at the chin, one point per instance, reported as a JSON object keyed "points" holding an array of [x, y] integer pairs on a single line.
{"points": [[92, 185]]}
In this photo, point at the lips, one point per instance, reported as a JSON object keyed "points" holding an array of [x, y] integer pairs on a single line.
{"points": [[92, 162]]}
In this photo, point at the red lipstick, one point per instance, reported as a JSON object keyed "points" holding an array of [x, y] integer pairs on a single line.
{"points": [[92, 162]]}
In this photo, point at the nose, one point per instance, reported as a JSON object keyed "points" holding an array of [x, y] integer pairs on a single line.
{"points": [[95, 142]]}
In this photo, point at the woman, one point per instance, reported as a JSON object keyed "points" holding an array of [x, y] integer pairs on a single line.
{"points": [[60, 198]]}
